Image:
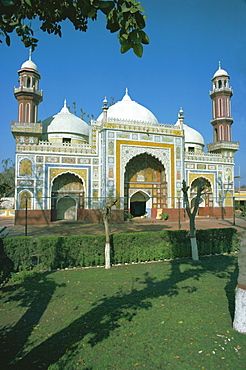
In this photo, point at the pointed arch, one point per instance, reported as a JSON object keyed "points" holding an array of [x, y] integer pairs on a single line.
{"points": [[145, 174], [25, 199], [207, 196], [69, 186]]}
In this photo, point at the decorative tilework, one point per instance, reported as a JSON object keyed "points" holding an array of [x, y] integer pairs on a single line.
{"points": [[39, 158], [95, 161], [111, 134], [52, 159], [111, 148], [84, 160], [110, 159], [111, 172], [135, 136], [201, 166], [68, 160], [209, 176], [190, 166], [54, 172], [95, 184], [123, 135], [25, 182], [167, 139], [145, 137], [157, 139]]}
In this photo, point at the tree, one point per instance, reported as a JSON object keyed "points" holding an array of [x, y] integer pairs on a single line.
{"points": [[124, 16], [239, 322], [7, 179], [106, 212], [192, 211]]}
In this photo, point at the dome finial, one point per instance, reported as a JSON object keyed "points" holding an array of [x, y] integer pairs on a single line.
{"points": [[30, 54], [65, 103], [126, 91], [219, 65]]}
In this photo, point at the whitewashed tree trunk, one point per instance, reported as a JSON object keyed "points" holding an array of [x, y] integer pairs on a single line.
{"points": [[239, 322], [107, 256], [106, 212], [194, 249]]}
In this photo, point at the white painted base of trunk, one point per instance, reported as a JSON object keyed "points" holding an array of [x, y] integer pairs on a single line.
{"points": [[194, 249], [107, 256], [239, 322]]}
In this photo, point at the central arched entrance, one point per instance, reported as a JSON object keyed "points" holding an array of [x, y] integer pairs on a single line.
{"points": [[67, 196], [145, 186]]}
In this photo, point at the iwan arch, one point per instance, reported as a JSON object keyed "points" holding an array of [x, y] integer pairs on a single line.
{"points": [[67, 167]]}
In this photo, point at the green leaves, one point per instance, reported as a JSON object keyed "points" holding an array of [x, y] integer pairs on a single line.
{"points": [[125, 16]]}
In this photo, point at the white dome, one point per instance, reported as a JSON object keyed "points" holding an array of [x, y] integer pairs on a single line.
{"points": [[29, 65], [220, 72], [67, 123], [192, 136], [129, 110]]}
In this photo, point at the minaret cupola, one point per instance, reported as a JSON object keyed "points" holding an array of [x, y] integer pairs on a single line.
{"points": [[26, 129], [27, 93], [221, 110]]}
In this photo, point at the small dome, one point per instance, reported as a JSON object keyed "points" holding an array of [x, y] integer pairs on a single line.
{"points": [[129, 110], [220, 72], [29, 65], [67, 123], [192, 136]]}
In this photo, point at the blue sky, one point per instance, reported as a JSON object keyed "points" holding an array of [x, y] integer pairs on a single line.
{"points": [[188, 38]]}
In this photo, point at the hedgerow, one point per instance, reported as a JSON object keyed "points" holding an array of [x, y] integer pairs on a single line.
{"points": [[45, 253]]}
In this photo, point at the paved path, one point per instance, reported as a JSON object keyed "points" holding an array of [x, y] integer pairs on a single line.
{"points": [[66, 228]]}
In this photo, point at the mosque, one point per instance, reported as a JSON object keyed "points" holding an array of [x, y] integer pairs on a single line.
{"points": [[66, 168]]}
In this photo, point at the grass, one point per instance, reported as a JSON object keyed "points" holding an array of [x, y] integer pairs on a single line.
{"points": [[175, 315]]}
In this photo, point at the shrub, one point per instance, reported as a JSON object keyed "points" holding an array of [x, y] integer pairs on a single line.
{"points": [[26, 253]]}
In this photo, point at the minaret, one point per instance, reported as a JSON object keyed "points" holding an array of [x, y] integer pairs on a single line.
{"points": [[28, 97], [221, 110]]}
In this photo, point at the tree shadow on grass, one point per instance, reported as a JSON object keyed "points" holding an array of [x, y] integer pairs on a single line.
{"points": [[34, 295], [107, 313]]}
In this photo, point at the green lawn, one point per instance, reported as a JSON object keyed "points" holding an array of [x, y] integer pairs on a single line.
{"points": [[175, 315]]}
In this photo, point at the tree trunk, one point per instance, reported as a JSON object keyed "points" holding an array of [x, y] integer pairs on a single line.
{"points": [[193, 242], [107, 244], [239, 322], [106, 212]]}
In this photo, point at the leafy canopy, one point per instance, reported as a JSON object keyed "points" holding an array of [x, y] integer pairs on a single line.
{"points": [[123, 16], [7, 179]]}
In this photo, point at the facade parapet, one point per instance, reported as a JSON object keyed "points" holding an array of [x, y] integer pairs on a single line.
{"points": [[46, 146], [142, 126], [208, 157]]}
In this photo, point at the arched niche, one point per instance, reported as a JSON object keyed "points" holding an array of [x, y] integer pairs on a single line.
{"points": [[25, 199], [207, 195], [67, 195]]}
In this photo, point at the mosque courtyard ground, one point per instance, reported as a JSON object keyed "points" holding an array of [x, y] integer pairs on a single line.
{"points": [[67, 228]]}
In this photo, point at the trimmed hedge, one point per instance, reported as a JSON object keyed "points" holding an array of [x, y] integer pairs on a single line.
{"points": [[54, 252]]}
